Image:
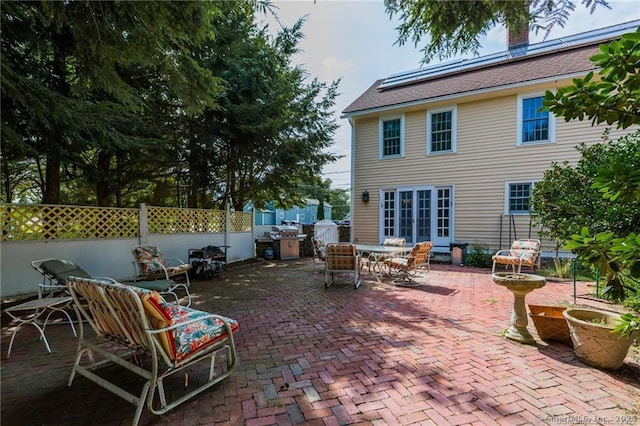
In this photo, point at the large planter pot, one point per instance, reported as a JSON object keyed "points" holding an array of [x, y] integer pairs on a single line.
{"points": [[550, 323], [593, 340], [520, 285]]}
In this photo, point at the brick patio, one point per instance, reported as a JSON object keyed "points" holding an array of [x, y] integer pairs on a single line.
{"points": [[379, 355]]}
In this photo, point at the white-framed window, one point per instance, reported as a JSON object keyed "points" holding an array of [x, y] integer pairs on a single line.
{"points": [[518, 197], [441, 130], [534, 125], [391, 131]]}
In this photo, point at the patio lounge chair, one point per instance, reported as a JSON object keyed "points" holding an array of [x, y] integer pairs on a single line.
{"points": [[522, 253], [152, 265], [55, 273], [342, 258], [129, 323], [403, 269]]}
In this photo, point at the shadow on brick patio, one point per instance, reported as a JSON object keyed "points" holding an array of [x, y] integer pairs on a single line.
{"points": [[379, 355]]}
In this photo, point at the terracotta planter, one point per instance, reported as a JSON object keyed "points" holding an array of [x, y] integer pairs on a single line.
{"points": [[593, 341], [550, 323]]}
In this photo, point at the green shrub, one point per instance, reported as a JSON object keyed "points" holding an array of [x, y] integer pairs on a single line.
{"points": [[479, 256]]}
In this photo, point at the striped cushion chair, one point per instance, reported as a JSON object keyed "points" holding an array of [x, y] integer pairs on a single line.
{"points": [[522, 253], [404, 269], [130, 325], [341, 258]]}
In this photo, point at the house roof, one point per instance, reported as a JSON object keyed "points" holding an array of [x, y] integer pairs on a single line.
{"points": [[493, 72]]}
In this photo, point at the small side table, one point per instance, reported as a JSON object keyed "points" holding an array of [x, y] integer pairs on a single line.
{"points": [[29, 312]]}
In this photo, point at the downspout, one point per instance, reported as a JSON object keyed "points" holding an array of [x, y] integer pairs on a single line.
{"points": [[353, 172]]}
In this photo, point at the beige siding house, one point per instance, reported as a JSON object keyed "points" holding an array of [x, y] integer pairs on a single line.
{"points": [[451, 152]]}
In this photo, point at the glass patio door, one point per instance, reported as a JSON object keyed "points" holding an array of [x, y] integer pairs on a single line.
{"points": [[417, 214]]}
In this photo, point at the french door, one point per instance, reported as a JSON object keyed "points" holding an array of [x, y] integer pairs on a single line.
{"points": [[417, 214]]}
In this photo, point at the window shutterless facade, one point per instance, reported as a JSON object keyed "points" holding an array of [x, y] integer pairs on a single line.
{"points": [[441, 130], [391, 132], [534, 125]]}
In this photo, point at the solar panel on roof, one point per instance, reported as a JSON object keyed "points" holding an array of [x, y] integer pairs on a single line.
{"points": [[459, 65]]}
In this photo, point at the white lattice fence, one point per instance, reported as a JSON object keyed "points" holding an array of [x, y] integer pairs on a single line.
{"points": [[241, 222], [168, 220], [53, 222]]}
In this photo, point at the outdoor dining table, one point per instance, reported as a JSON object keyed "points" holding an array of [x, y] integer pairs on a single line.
{"points": [[377, 255]]}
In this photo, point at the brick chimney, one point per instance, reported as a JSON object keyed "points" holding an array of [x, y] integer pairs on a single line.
{"points": [[518, 39]]}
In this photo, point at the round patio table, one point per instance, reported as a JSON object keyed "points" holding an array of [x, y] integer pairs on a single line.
{"points": [[377, 255]]}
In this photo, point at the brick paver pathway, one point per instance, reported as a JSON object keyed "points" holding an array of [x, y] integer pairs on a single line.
{"points": [[378, 355]]}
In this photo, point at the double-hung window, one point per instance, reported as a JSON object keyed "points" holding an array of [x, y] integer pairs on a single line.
{"points": [[534, 124], [391, 137], [519, 197], [441, 131]]}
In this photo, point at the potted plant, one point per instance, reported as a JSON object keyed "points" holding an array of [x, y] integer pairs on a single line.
{"points": [[601, 338], [550, 323]]}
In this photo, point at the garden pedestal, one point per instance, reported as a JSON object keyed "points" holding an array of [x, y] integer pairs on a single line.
{"points": [[520, 285]]}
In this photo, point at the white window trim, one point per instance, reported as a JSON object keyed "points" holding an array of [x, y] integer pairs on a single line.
{"points": [[507, 195], [381, 121], [519, 112], [454, 129]]}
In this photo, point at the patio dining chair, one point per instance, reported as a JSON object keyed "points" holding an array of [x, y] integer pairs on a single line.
{"points": [[522, 253], [342, 258], [319, 252], [394, 242], [404, 269], [152, 265]]}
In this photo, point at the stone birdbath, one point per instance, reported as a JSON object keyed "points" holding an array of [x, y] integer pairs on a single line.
{"points": [[520, 285]]}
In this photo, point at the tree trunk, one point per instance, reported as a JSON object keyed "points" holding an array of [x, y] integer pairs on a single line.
{"points": [[52, 180], [103, 188], [57, 141]]}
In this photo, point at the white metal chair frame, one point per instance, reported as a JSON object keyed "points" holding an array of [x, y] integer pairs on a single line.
{"points": [[116, 313], [404, 269], [524, 252], [160, 263]]}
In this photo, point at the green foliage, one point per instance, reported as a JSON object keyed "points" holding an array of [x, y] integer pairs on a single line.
{"points": [[609, 99], [172, 103], [454, 27], [569, 198], [627, 325], [479, 256], [563, 267], [604, 228], [340, 200]]}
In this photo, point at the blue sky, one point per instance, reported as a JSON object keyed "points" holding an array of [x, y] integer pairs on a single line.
{"points": [[354, 40]]}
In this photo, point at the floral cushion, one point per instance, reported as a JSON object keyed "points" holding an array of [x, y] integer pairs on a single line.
{"points": [[319, 248], [183, 341], [394, 242], [152, 262], [150, 259], [526, 250]]}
